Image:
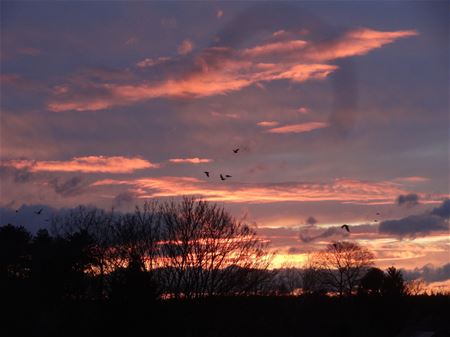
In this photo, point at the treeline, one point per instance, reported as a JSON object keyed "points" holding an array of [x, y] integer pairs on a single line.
{"points": [[177, 269], [187, 249]]}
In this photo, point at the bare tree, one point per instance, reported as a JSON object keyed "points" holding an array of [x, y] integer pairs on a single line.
{"points": [[97, 224], [188, 248], [207, 252], [416, 287], [343, 264], [136, 237]]}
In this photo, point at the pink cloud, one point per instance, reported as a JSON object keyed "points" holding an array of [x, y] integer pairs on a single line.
{"points": [[219, 13], [338, 190], [413, 179], [222, 70], [268, 123], [303, 110], [90, 164], [185, 47], [227, 115], [148, 62], [354, 43], [299, 128], [190, 160], [275, 48]]}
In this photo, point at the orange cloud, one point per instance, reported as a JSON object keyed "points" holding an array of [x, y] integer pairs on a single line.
{"points": [[90, 164], [148, 62], [354, 43], [339, 190], [268, 123], [221, 70], [190, 160], [185, 47], [299, 128], [232, 77], [303, 110], [413, 179], [274, 48]]}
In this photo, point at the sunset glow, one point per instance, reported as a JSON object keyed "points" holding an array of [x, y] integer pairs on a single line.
{"points": [[295, 119]]}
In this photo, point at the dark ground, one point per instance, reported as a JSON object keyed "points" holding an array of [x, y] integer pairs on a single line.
{"points": [[232, 316]]}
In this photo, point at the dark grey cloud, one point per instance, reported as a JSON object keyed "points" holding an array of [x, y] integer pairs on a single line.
{"points": [[429, 273], [329, 232], [124, 199], [419, 225], [408, 200], [311, 221], [443, 210], [17, 175], [70, 187]]}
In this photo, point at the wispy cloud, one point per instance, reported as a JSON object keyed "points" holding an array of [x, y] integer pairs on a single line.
{"points": [[354, 43], [149, 62], [299, 128], [90, 164], [268, 123], [221, 70], [338, 190], [303, 110], [185, 47], [281, 47], [195, 160], [413, 179]]}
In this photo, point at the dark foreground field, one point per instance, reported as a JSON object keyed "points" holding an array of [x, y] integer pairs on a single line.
{"points": [[233, 316]]}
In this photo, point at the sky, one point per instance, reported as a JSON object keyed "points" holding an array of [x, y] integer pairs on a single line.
{"points": [[340, 112]]}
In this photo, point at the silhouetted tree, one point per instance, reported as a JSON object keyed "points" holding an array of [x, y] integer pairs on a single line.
{"points": [[136, 238], [285, 281], [415, 287], [393, 284], [314, 279], [372, 282], [207, 252], [14, 252], [343, 264]]}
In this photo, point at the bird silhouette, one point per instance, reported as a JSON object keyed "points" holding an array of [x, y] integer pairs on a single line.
{"points": [[221, 177], [207, 173], [378, 213], [39, 212], [227, 176], [47, 220], [17, 211], [236, 150], [345, 226], [375, 220]]}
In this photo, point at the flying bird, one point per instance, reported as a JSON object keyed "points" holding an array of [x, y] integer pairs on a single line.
{"points": [[207, 173], [375, 220], [378, 213], [221, 177], [236, 150], [39, 212], [345, 226], [227, 176], [17, 211]]}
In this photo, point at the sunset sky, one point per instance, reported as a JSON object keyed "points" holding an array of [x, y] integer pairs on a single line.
{"points": [[338, 108]]}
